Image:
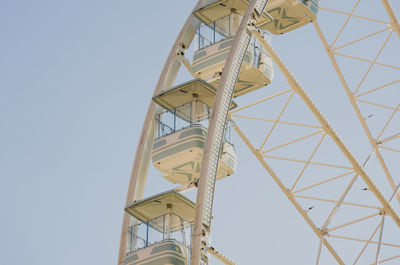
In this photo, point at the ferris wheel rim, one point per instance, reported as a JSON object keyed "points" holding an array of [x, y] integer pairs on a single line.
{"points": [[145, 136], [159, 87]]}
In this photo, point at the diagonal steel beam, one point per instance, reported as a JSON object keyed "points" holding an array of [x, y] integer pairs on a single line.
{"points": [[353, 102], [289, 195], [352, 15], [327, 127], [392, 16]]}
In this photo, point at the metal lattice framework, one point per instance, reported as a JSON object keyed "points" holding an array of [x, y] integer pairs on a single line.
{"points": [[354, 211], [348, 209], [360, 94]]}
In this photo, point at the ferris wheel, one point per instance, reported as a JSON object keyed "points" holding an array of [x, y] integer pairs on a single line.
{"points": [[240, 84]]}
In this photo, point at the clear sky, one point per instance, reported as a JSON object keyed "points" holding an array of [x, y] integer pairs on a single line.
{"points": [[76, 78]]}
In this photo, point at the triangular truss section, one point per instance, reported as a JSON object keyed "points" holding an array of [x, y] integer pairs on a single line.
{"points": [[316, 171], [364, 52]]}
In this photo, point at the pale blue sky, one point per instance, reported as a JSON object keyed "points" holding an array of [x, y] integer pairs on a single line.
{"points": [[75, 81]]}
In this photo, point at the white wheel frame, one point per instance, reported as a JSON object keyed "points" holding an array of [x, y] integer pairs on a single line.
{"points": [[206, 182]]}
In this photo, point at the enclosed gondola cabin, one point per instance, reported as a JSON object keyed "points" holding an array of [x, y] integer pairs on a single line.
{"points": [[290, 14], [213, 10], [181, 133], [280, 16], [161, 230], [212, 45]]}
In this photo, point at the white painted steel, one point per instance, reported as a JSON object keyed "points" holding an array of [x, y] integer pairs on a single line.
{"points": [[353, 102], [224, 259], [328, 129], [143, 151], [356, 94], [378, 248], [212, 148], [392, 16], [206, 184]]}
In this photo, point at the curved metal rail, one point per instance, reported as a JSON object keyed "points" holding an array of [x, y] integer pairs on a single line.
{"points": [[324, 225], [143, 152]]}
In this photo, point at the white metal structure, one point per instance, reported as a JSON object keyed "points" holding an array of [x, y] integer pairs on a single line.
{"points": [[345, 205]]}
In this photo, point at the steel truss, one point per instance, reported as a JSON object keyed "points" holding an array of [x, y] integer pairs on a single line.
{"points": [[344, 208], [349, 210]]}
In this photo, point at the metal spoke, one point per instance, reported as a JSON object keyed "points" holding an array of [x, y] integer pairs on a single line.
{"points": [[307, 163], [372, 63], [345, 23], [273, 121], [360, 39], [367, 61], [376, 89], [276, 121], [353, 15]]}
